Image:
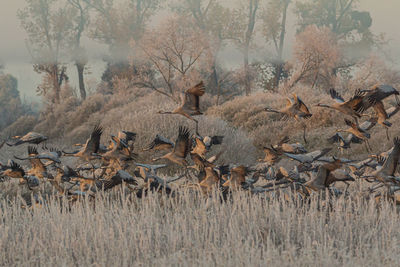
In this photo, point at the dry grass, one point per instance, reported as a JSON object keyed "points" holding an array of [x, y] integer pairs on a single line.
{"points": [[193, 230]]}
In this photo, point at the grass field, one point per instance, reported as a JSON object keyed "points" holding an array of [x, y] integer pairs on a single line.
{"points": [[189, 229]]}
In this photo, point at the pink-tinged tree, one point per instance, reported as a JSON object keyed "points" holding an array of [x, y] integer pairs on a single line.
{"points": [[316, 55], [179, 56]]}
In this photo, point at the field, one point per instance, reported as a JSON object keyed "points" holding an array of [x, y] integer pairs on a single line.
{"points": [[192, 230]]}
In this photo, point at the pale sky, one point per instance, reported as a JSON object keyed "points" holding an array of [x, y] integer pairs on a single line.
{"points": [[14, 55]]}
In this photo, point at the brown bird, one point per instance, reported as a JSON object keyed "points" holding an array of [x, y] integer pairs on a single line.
{"points": [[37, 169], [91, 147], [14, 170], [210, 182], [375, 94], [237, 178], [190, 103], [295, 108], [181, 148], [325, 176], [346, 107], [358, 132], [390, 165], [160, 143], [31, 138]]}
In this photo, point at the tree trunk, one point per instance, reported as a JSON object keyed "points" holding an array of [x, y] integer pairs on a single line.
{"points": [[56, 85], [246, 71], [80, 68]]}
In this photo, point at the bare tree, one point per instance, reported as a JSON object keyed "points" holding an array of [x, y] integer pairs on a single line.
{"points": [[80, 22], [117, 25], [316, 55], [178, 53], [244, 28], [48, 30]]}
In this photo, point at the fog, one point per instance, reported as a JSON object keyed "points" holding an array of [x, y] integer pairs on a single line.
{"points": [[14, 54]]}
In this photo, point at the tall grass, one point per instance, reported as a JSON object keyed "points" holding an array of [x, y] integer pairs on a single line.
{"points": [[118, 230]]}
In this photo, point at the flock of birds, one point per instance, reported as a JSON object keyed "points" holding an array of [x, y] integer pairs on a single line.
{"points": [[104, 167]]}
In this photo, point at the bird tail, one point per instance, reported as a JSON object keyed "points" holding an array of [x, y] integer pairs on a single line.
{"points": [[386, 123]]}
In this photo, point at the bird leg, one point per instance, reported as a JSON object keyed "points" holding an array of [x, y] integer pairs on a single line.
{"points": [[387, 133], [368, 147], [197, 126], [304, 133]]}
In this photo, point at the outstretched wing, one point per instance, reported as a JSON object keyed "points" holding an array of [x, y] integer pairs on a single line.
{"points": [[336, 96], [192, 97], [93, 143], [182, 144], [160, 143]]}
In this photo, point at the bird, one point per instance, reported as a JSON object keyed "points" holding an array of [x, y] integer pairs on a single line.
{"points": [[181, 148], [358, 132], [160, 143], [346, 107], [31, 138], [50, 154], [345, 142], [14, 170], [325, 177], [309, 157], [376, 94], [38, 169], [91, 147], [190, 103], [295, 108], [209, 141], [390, 164], [237, 178], [210, 181]]}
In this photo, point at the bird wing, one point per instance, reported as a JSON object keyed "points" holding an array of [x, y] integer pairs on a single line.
{"points": [[127, 136], [356, 102], [303, 108], [192, 97], [182, 144], [390, 165], [336, 138], [336, 96], [380, 92], [367, 125], [93, 143], [200, 148], [160, 143]]}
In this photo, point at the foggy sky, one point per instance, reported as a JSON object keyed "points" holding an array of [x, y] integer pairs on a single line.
{"points": [[14, 55]]}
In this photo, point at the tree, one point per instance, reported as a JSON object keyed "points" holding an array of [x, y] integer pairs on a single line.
{"points": [[341, 16], [244, 28], [80, 21], [274, 19], [48, 29], [215, 21], [10, 102], [116, 25], [316, 55], [178, 53]]}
